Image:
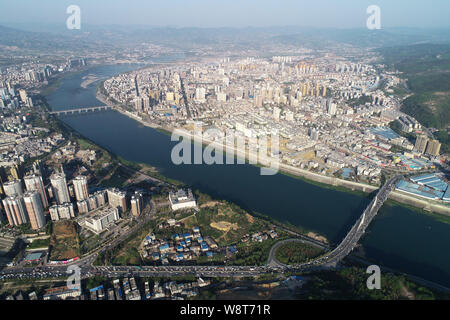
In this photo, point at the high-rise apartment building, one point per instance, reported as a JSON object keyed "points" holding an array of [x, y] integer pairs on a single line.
{"points": [[200, 94], [33, 204], [34, 183], [421, 143], [80, 186], [63, 211], [59, 188], [433, 148], [13, 188], [138, 104], [146, 103], [276, 113], [15, 210], [117, 199], [23, 96], [136, 204], [331, 107]]}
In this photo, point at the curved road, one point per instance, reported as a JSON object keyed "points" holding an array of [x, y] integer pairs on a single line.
{"points": [[328, 260]]}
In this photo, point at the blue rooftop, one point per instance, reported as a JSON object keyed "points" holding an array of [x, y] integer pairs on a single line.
{"points": [[385, 133], [96, 288], [164, 246], [33, 256], [446, 196], [422, 191], [346, 172], [204, 245], [422, 177]]}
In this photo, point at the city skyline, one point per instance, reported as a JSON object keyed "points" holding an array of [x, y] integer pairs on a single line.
{"points": [[215, 14], [212, 150]]}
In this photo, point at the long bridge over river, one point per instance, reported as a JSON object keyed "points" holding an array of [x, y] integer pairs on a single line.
{"points": [[356, 232], [75, 110]]}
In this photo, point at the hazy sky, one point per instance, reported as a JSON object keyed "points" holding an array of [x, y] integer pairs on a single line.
{"points": [[231, 13]]}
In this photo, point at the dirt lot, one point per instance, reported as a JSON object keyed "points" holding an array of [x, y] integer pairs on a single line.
{"points": [[224, 226], [64, 241]]}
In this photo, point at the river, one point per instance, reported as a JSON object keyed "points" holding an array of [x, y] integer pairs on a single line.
{"points": [[399, 238]]}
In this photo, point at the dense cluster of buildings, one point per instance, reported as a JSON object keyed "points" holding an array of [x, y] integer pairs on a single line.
{"points": [[122, 289], [103, 207], [25, 206], [331, 114], [191, 244], [60, 202], [428, 146], [19, 140], [181, 247]]}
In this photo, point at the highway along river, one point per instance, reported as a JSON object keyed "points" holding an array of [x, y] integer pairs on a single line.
{"points": [[399, 238]]}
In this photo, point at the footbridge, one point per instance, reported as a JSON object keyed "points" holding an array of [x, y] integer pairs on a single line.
{"points": [[80, 110]]}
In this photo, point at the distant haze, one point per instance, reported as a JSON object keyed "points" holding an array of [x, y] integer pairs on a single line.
{"points": [[229, 13]]}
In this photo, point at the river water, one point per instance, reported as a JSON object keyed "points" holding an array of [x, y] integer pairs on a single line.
{"points": [[399, 238]]}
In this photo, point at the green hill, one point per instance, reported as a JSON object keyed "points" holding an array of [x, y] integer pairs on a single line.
{"points": [[427, 68]]}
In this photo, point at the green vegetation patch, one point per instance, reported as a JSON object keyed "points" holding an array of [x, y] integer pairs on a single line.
{"points": [[351, 283], [226, 223], [39, 243], [296, 252], [253, 253], [427, 70]]}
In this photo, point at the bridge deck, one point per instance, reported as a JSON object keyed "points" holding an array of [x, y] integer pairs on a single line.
{"points": [[358, 229], [80, 110]]}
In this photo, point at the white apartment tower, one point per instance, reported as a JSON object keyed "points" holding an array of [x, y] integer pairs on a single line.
{"points": [[59, 188], [34, 183], [80, 186], [33, 204], [15, 210], [13, 188]]}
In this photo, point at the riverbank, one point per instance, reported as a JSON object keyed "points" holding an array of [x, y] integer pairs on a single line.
{"points": [[151, 173], [305, 175], [55, 82], [400, 238]]}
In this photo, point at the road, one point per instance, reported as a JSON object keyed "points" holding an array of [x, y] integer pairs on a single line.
{"points": [[330, 259], [356, 232]]}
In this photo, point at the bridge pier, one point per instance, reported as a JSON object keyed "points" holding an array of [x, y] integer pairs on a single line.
{"points": [[80, 110]]}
